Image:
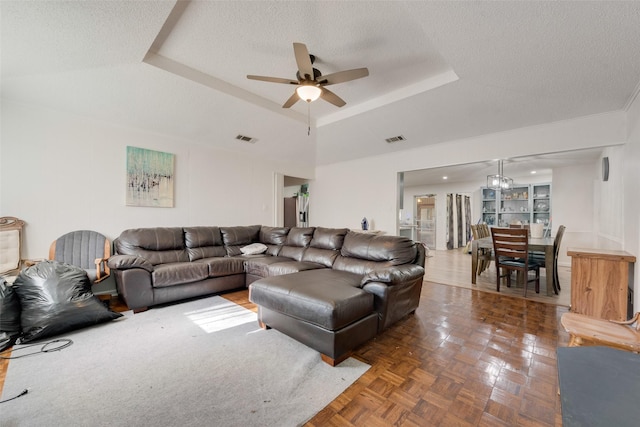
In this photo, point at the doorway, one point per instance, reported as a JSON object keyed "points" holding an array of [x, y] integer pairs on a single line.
{"points": [[295, 202], [425, 215]]}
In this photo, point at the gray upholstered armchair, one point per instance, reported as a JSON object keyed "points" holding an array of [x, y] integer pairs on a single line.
{"points": [[86, 249]]}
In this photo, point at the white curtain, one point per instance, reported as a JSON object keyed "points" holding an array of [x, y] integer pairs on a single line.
{"points": [[458, 220]]}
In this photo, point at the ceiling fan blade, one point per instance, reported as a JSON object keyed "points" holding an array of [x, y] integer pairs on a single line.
{"points": [[292, 100], [303, 60], [343, 76], [331, 97], [273, 79]]}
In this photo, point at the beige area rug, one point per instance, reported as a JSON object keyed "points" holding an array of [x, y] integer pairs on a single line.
{"points": [[199, 363], [453, 268]]}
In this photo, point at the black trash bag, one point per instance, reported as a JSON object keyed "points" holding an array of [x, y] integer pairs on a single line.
{"points": [[9, 315], [55, 298]]}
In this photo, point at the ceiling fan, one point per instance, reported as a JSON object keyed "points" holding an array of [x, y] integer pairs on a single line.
{"points": [[311, 83]]}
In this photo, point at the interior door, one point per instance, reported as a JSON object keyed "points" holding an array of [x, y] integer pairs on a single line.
{"points": [[290, 212], [425, 214]]}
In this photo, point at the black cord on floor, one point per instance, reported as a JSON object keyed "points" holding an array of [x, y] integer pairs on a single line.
{"points": [[46, 348], [25, 391]]}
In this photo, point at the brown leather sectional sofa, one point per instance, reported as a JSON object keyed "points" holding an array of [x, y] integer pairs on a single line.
{"points": [[331, 289]]}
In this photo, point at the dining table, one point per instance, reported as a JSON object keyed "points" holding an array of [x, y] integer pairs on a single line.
{"points": [[544, 244]]}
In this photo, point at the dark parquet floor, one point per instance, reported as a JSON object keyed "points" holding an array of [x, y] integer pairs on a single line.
{"points": [[465, 358]]}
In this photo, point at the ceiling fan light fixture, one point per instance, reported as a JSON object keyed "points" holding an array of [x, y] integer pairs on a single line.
{"points": [[308, 92]]}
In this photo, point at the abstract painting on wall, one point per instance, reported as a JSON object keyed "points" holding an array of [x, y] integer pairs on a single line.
{"points": [[149, 178]]}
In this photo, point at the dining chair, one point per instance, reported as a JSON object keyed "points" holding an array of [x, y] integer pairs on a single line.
{"points": [[539, 257], [511, 249], [485, 255], [516, 225]]}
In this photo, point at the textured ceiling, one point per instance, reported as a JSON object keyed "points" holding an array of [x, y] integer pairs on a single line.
{"points": [[439, 71]]}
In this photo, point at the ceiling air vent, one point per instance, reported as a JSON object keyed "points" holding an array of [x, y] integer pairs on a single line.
{"points": [[245, 138], [395, 139]]}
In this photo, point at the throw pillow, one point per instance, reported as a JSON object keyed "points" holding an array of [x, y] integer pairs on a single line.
{"points": [[56, 298], [253, 249]]}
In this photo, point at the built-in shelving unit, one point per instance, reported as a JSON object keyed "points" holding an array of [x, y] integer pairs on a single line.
{"points": [[541, 206], [526, 203]]}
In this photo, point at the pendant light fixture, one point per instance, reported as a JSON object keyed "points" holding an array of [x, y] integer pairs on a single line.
{"points": [[499, 181]]}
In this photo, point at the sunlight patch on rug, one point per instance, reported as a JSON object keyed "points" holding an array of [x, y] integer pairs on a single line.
{"points": [[220, 317]]}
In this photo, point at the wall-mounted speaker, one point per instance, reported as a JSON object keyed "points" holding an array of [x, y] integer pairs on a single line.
{"points": [[605, 169]]}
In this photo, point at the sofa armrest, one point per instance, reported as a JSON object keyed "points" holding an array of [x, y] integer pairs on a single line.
{"points": [[396, 291], [394, 275], [126, 262]]}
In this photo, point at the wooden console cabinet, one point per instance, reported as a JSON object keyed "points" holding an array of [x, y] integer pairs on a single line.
{"points": [[600, 281]]}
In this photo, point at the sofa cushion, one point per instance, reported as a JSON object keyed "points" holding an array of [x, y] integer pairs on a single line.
{"points": [[223, 266], [327, 298], [258, 266], [178, 273], [239, 236], [156, 245], [328, 238], [203, 242], [289, 267], [394, 249], [325, 257], [357, 265], [300, 236], [236, 237], [274, 238], [273, 235], [325, 245], [298, 240]]}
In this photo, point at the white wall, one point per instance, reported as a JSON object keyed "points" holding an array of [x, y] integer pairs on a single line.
{"points": [[61, 172], [345, 192], [609, 214], [573, 206]]}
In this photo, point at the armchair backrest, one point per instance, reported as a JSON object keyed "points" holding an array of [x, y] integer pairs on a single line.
{"points": [[10, 244], [80, 248]]}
